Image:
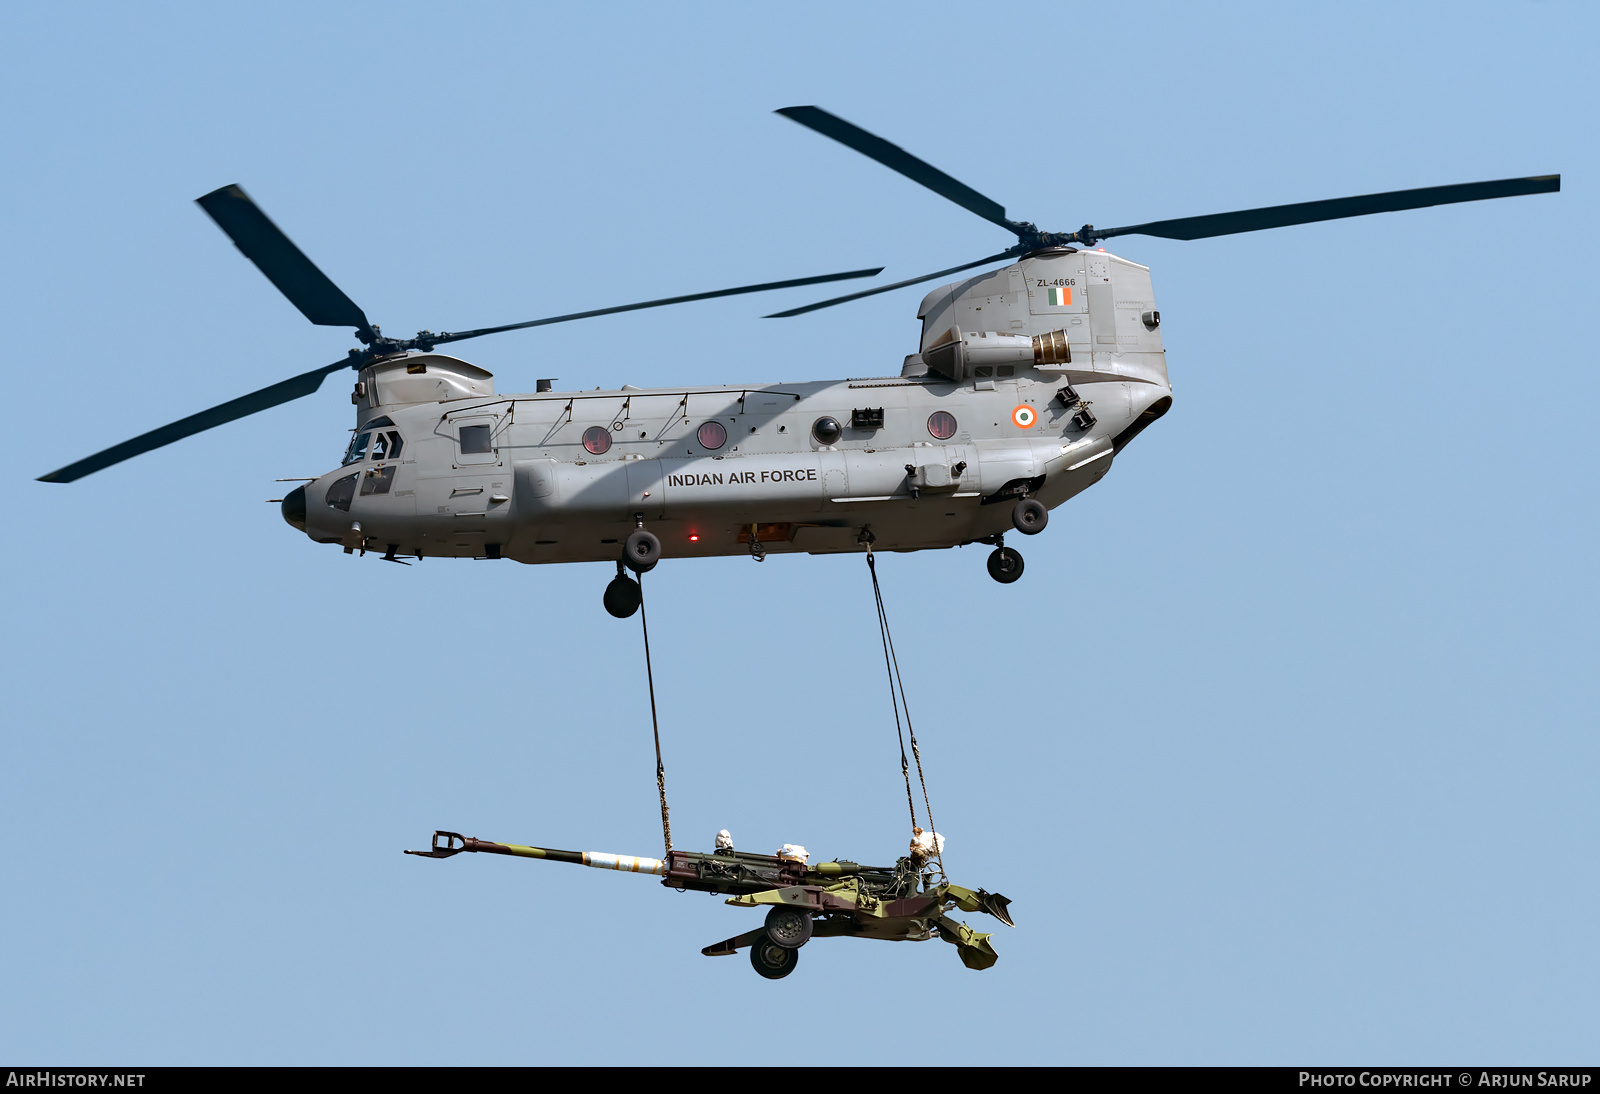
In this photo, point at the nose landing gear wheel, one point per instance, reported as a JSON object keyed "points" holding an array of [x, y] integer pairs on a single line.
{"points": [[1030, 516], [788, 927], [772, 960], [1005, 565], [622, 596], [641, 552]]}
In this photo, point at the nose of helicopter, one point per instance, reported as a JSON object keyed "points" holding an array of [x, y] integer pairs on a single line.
{"points": [[294, 507]]}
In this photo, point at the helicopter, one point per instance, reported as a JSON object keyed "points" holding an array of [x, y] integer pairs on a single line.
{"points": [[837, 899], [1028, 381]]}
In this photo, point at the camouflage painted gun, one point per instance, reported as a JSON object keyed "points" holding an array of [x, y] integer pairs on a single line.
{"points": [[825, 900]]}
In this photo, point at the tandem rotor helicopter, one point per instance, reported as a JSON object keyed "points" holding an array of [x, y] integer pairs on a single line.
{"points": [[1027, 383]]}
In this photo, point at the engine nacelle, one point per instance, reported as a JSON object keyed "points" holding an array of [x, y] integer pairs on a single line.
{"points": [[958, 354]]}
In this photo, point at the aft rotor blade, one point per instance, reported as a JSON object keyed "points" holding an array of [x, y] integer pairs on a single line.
{"points": [[1011, 253], [1309, 212], [457, 336], [283, 392], [285, 265], [898, 159]]}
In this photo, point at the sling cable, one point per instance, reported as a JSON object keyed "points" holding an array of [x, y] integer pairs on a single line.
{"points": [[655, 725], [891, 664]]}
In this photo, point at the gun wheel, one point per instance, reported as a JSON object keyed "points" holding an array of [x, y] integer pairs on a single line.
{"points": [[772, 960], [788, 927]]}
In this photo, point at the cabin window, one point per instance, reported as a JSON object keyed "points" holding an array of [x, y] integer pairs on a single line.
{"points": [[942, 425], [983, 370], [358, 447], [597, 439], [341, 492], [712, 435], [475, 440], [1005, 370]]}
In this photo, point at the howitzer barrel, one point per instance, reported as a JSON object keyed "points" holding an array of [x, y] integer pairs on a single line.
{"points": [[446, 844]]}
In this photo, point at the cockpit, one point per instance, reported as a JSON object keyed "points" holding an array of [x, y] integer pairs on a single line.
{"points": [[374, 442]]}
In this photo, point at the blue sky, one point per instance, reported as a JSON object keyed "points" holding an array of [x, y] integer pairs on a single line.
{"points": [[1283, 747]]}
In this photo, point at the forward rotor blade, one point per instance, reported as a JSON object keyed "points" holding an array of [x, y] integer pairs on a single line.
{"points": [[285, 265], [1309, 212], [898, 159], [764, 287], [283, 392], [1011, 253]]}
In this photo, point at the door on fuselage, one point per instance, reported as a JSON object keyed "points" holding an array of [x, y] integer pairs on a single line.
{"points": [[466, 494]]}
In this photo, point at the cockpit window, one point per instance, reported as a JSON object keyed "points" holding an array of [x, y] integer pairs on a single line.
{"points": [[358, 447], [341, 493], [377, 480], [383, 446]]}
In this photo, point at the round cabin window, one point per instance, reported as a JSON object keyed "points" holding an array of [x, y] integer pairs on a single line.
{"points": [[826, 430], [597, 440], [712, 435], [942, 425]]}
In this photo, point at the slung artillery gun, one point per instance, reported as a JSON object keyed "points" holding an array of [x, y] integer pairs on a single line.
{"points": [[902, 903]]}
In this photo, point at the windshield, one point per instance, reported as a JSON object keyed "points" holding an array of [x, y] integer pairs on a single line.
{"points": [[358, 447]]}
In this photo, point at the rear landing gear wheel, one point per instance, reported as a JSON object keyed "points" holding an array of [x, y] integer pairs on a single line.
{"points": [[772, 960], [622, 596], [641, 552], [1030, 516], [1005, 565], [788, 927]]}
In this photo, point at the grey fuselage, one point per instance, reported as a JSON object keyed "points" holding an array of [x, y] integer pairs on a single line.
{"points": [[527, 487]]}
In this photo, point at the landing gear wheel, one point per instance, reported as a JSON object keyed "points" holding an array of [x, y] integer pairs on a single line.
{"points": [[622, 596], [788, 927], [1029, 517], [642, 551], [772, 960], [1005, 565]]}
